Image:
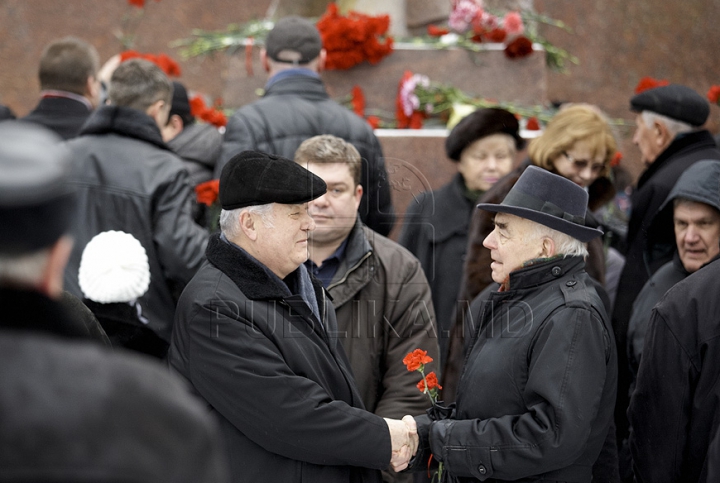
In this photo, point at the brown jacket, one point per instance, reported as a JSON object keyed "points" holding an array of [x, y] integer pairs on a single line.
{"points": [[384, 311]]}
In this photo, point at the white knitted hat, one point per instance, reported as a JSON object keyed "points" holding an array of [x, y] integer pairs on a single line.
{"points": [[114, 268]]}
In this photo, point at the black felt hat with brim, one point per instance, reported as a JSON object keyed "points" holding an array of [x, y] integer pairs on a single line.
{"points": [[550, 200], [256, 178]]}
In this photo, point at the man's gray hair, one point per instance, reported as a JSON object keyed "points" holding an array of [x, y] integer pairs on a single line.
{"points": [[26, 269], [230, 219], [564, 244], [674, 126]]}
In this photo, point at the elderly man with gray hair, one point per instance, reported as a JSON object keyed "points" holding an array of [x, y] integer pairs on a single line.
{"points": [[536, 396], [257, 337]]}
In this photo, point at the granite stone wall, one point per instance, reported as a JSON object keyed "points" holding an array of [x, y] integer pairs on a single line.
{"points": [[616, 41]]}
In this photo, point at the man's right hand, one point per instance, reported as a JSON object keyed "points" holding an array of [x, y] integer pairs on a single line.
{"points": [[404, 440]]}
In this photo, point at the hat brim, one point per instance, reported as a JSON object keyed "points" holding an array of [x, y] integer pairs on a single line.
{"points": [[582, 233]]}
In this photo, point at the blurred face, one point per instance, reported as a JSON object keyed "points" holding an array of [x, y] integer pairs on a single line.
{"points": [[648, 139], [579, 165], [334, 212], [512, 243], [284, 246], [697, 233], [486, 160]]}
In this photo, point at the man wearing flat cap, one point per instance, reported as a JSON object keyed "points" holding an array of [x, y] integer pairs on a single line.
{"points": [[670, 137], [256, 336], [296, 107], [70, 409], [536, 395]]}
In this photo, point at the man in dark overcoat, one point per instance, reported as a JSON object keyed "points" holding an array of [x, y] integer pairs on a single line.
{"points": [[670, 137], [71, 409], [256, 336], [537, 391]]}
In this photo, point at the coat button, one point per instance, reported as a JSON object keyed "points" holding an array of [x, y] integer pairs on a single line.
{"points": [[482, 470], [556, 271], [571, 283]]}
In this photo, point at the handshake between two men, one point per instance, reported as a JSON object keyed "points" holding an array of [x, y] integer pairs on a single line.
{"points": [[404, 440]]}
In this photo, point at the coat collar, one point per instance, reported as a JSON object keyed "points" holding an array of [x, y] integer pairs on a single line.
{"points": [[253, 278], [299, 85], [125, 122], [29, 310], [544, 272], [695, 139]]}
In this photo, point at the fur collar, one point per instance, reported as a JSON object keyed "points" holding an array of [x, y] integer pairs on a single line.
{"points": [[253, 278]]}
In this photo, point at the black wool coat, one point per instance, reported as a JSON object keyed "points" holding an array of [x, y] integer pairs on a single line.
{"points": [[653, 187], [276, 377], [675, 408], [64, 116]]}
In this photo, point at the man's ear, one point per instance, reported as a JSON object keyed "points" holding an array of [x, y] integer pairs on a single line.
{"points": [[92, 91], [159, 111], [51, 283], [663, 137], [358, 195], [248, 224], [548, 247], [321, 60]]}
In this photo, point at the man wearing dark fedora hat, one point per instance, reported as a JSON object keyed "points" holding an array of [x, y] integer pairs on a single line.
{"points": [[538, 388], [256, 336]]}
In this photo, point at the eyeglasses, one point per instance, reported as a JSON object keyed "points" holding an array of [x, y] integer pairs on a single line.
{"points": [[581, 164]]}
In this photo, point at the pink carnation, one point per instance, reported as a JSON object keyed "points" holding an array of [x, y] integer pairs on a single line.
{"points": [[462, 16], [513, 24]]}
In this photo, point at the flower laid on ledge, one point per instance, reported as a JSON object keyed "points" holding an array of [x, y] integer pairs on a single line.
{"points": [[348, 39], [138, 3], [649, 83], [713, 94], [419, 99], [470, 19], [408, 110], [168, 65], [211, 115], [352, 39]]}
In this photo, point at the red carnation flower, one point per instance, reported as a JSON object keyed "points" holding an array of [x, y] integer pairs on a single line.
{"points": [[714, 94], [207, 193], [417, 358], [520, 47], [435, 31], [649, 83], [532, 124], [432, 382]]}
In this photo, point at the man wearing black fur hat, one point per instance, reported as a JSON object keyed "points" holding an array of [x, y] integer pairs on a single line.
{"points": [[536, 396], [296, 107], [257, 338], [70, 409], [670, 137]]}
